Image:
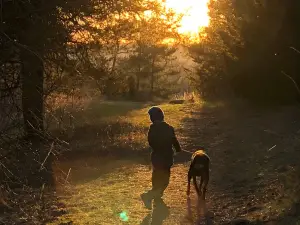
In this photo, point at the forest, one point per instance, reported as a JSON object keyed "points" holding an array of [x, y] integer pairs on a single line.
{"points": [[77, 77]]}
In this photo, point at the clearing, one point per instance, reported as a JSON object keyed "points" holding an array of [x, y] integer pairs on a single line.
{"points": [[254, 172]]}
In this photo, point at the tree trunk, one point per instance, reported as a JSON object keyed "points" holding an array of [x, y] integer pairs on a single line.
{"points": [[132, 87], [115, 57], [138, 75], [137, 88], [152, 77], [32, 94], [38, 157]]}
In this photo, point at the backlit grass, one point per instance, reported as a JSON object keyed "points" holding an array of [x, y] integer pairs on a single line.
{"points": [[102, 200], [105, 190], [244, 182], [105, 126]]}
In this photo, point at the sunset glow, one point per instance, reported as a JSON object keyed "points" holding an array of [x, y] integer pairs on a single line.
{"points": [[195, 15]]}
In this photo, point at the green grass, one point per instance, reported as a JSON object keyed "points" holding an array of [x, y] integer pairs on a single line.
{"points": [[101, 201], [102, 188], [100, 179], [101, 125]]}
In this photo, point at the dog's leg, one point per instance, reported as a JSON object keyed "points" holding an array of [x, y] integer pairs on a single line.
{"points": [[189, 184], [205, 184], [196, 186], [200, 185]]}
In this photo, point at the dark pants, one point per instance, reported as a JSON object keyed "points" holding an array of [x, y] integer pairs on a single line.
{"points": [[160, 179]]}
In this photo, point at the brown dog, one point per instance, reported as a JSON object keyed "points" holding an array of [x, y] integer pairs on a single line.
{"points": [[199, 168]]}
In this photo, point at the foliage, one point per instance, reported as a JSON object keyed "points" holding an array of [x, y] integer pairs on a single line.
{"points": [[245, 48], [138, 52], [56, 47]]}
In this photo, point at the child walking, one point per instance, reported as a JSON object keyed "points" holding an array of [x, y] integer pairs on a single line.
{"points": [[162, 139]]}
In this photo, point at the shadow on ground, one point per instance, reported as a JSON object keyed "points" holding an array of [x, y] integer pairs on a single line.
{"points": [[93, 148], [251, 152], [157, 215], [254, 155], [203, 216]]}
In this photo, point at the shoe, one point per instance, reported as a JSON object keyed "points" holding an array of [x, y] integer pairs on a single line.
{"points": [[146, 200]]}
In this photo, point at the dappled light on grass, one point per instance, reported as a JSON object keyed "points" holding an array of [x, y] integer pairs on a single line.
{"points": [[110, 184], [123, 132], [103, 188], [114, 197], [111, 197]]}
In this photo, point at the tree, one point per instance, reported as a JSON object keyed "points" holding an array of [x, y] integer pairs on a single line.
{"points": [[42, 39], [245, 48], [216, 44], [50, 34], [149, 52]]}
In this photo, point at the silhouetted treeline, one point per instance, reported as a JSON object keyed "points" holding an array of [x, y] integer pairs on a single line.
{"points": [[252, 49]]}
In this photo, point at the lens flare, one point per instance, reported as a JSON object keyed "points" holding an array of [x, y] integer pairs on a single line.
{"points": [[124, 217]]}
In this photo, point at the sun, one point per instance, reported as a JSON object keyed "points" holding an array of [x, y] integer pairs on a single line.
{"points": [[195, 15]]}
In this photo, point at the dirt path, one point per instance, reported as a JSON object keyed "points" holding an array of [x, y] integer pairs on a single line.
{"points": [[253, 174], [251, 154]]}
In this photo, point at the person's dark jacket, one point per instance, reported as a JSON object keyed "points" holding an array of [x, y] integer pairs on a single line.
{"points": [[162, 139]]}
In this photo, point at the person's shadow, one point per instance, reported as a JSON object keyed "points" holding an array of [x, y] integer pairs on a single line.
{"points": [[203, 216], [159, 213]]}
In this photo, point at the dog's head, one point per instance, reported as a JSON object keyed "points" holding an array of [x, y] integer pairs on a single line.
{"points": [[200, 152]]}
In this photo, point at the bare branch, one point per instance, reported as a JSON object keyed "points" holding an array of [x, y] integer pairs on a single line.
{"points": [[296, 50], [294, 82], [22, 46]]}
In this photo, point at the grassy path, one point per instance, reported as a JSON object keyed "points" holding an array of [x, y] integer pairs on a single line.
{"points": [[254, 170]]}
